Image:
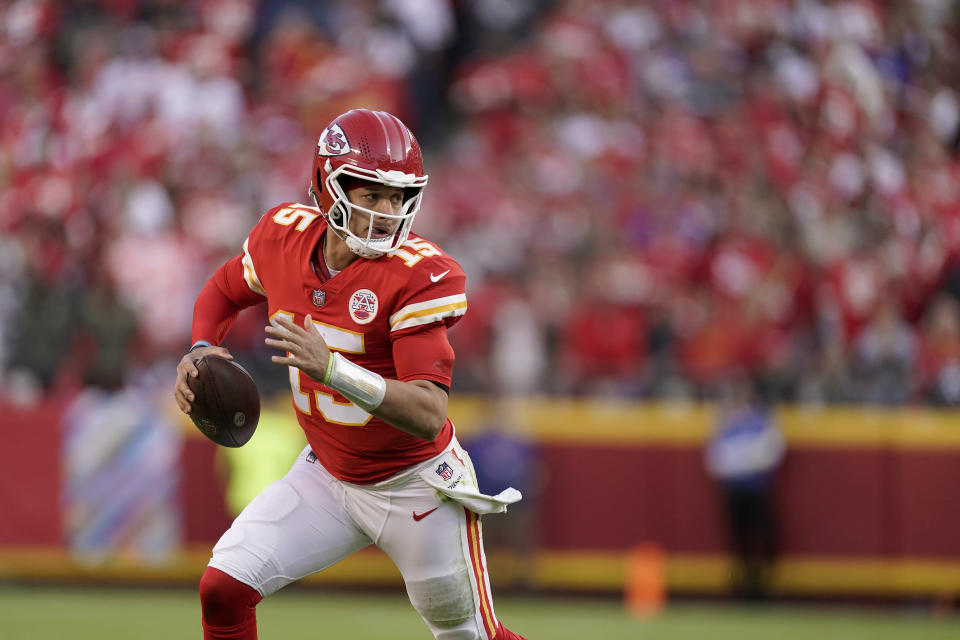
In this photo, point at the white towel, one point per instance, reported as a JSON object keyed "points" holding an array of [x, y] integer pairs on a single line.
{"points": [[453, 476]]}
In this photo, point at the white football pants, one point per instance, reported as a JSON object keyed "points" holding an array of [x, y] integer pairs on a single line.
{"points": [[309, 520]]}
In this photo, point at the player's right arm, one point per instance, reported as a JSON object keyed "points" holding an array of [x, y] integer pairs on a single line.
{"points": [[224, 295]]}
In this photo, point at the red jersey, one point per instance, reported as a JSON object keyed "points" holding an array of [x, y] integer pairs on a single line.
{"points": [[383, 314]]}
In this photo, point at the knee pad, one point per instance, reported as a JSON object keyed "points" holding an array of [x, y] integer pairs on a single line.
{"points": [[225, 600], [445, 601]]}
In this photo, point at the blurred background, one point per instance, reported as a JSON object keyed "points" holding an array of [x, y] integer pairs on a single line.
{"points": [[713, 259]]}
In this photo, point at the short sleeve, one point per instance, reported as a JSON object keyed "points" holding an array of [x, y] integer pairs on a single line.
{"points": [[433, 296], [424, 355]]}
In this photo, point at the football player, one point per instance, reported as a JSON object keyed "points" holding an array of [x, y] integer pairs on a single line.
{"points": [[359, 308]]}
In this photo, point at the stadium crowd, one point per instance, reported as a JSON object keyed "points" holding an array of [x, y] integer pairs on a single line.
{"points": [[647, 195]]}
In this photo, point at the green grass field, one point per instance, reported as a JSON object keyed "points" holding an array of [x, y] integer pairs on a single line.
{"points": [[43, 613]]}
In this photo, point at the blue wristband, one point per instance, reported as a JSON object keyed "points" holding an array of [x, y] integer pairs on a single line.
{"points": [[200, 343]]}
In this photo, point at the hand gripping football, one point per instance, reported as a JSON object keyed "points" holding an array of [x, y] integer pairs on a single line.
{"points": [[226, 407]]}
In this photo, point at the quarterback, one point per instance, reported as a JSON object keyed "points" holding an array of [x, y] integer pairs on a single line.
{"points": [[359, 308]]}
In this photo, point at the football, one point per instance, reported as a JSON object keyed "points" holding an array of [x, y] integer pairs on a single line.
{"points": [[226, 407]]}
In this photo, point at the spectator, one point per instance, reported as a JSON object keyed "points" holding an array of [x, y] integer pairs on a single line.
{"points": [[743, 455], [884, 356], [940, 353], [46, 321]]}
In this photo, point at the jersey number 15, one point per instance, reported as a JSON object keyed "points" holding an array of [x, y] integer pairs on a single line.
{"points": [[332, 410]]}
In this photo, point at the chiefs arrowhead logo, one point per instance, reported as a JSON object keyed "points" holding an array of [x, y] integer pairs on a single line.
{"points": [[333, 141]]}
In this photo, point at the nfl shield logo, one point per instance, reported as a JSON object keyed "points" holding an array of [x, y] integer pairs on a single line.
{"points": [[319, 297], [444, 471]]}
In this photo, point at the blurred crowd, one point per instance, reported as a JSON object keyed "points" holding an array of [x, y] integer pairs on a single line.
{"points": [[648, 196]]}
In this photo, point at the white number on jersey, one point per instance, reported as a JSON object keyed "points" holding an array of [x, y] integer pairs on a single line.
{"points": [[299, 213], [345, 413], [421, 249]]}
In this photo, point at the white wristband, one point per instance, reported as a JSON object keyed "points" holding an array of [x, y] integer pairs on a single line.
{"points": [[360, 386]]}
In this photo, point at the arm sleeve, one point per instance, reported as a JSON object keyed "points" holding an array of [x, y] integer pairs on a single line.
{"points": [[424, 355], [224, 295]]}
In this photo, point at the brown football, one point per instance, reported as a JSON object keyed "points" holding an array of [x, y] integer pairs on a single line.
{"points": [[226, 407]]}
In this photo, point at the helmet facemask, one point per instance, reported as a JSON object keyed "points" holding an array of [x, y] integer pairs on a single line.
{"points": [[341, 211]]}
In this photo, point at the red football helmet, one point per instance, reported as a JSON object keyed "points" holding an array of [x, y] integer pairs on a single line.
{"points": [[373, 146]]}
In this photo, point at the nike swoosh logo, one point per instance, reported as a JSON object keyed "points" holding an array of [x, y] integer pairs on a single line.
{"points": [[434, 278], [417, 517]]}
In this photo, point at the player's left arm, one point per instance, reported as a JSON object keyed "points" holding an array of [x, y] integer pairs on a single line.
{"points": [[417, 401], [415, 406]]}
